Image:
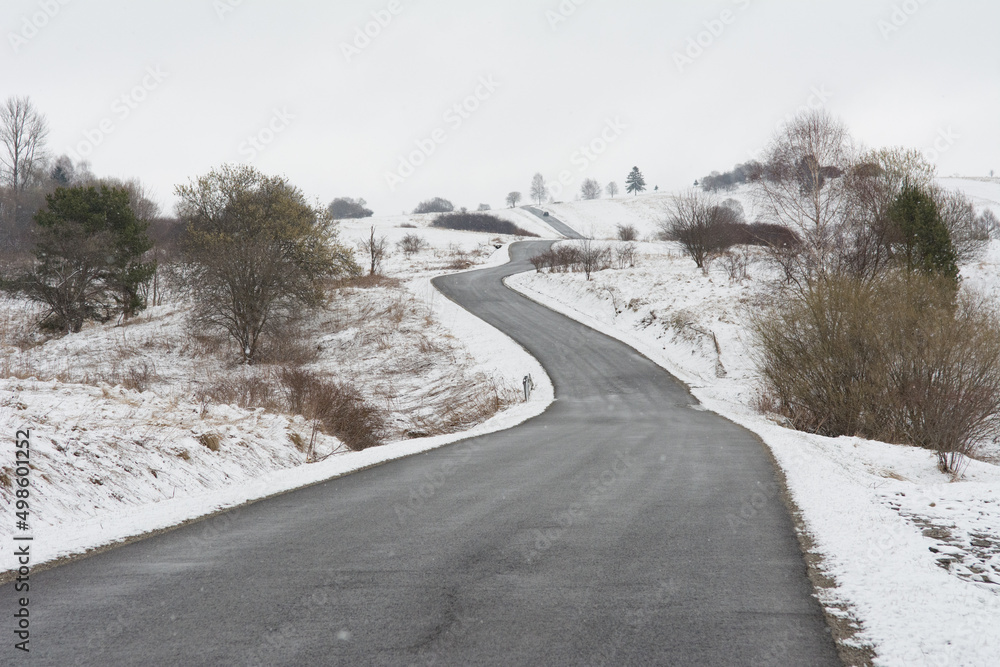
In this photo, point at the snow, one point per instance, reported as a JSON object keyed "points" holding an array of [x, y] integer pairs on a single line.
{"points": [[984, 192], [914, 553], [600, 218], [111, 463]]}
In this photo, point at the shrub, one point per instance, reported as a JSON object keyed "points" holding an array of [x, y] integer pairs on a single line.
{"points": [[625, 255], [479, 222], [585, 257], [558, 259], [900, 359], [627, 233], [345, 208], [736, 264], [436, 205], [593, 258], [411, 244]]}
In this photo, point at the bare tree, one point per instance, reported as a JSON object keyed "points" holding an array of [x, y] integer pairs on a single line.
{"points": [[376, 248], [694, 220], [613, 189], [967, 233], [513, 199], [23, 131], [539, 190], [867, 236], [590, 189], [140, 197], [802, 184], [988, 221]]}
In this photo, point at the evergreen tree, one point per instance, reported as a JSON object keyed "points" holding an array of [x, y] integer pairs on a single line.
{"points": [[926, 243], [88, 257], [635, 183]]}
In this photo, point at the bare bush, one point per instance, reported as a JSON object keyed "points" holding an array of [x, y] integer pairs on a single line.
{"points": [[736, 264], [560, 258], [411, 244], [593, 257], [898, 359], [459, 259], [627, 233], [625, 255]]}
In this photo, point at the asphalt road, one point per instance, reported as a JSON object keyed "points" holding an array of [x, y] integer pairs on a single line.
{"points": [[554, 223], [622, 527]]}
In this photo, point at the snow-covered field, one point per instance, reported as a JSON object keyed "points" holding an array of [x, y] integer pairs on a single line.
{"points": [[125, 440], [914, 553]]}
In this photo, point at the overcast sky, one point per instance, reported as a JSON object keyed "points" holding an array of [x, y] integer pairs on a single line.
{"points": [[165, 90]]}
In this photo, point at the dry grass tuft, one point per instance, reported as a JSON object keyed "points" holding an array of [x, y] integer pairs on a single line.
{"points": [[213, 441]]}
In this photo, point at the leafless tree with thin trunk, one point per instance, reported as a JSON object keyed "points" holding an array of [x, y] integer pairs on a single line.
{"points": [[802, 183], [613, 189], [23, 131], [376, 248], [590, 189], [539, 190]]}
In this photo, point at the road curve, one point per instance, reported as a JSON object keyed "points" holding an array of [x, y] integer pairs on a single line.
{"points": [[623, 527], [558, 225]]}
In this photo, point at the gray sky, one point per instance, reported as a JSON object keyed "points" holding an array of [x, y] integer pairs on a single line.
{"points": [[164, 91]]}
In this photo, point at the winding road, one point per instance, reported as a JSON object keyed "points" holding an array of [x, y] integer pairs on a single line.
{"points": [[604, 531]]}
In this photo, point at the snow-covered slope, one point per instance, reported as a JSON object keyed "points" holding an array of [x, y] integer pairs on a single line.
{"points": [[984, 192]]}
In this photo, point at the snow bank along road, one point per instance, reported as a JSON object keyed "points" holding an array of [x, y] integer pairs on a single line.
{"points": [[593, 534]]}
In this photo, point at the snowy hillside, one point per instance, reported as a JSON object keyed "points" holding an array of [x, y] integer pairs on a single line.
{"points": [[599, 218]]}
